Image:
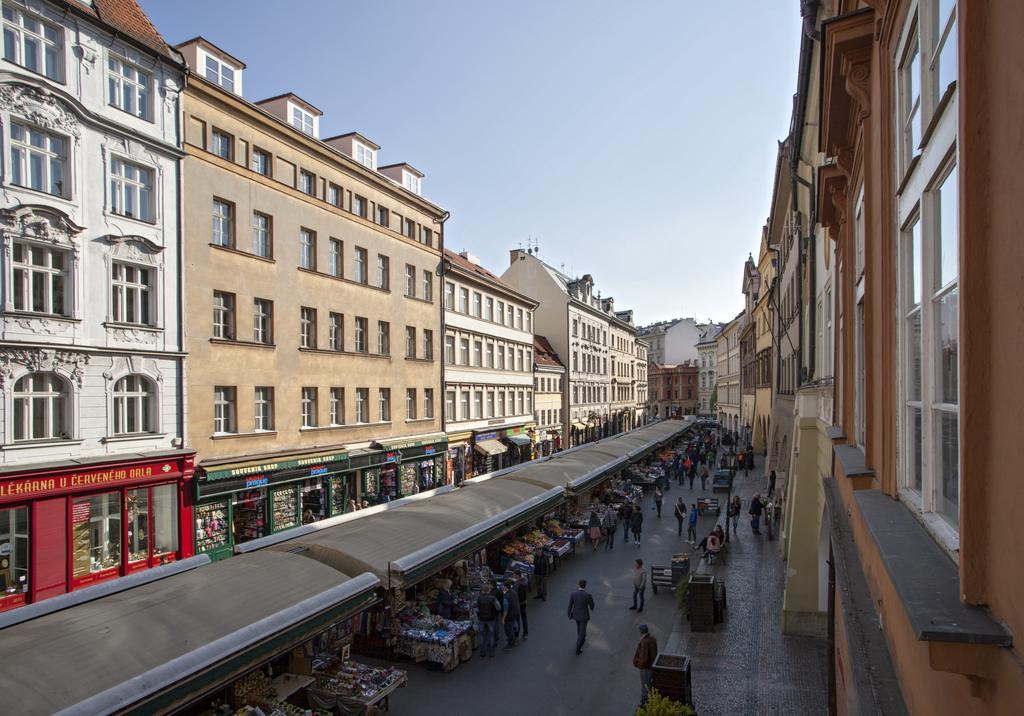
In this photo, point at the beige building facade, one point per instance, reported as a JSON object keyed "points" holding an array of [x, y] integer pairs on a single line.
{"points": [[313, 314], [727, 352], [549, 377]]}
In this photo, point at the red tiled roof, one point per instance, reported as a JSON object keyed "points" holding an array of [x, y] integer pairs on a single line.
{"points": [[127, 18], [544, 354], [469, 267]]}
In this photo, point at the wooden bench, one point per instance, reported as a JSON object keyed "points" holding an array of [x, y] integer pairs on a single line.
{"points": [[661, 577], [708, 504]]}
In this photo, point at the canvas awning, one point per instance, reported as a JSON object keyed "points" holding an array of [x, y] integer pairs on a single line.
{"points": [[491, 447], [164, 644], [520, 440], [579, 426]]}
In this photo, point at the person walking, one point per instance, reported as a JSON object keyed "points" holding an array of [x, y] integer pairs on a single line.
{"points": [[488, 611], [636, 523], [733, 514], [703, 477], [627, 519], [611, 528], [643, 659], [594, 528], [541, 567], [659, 498], [639, 585], [756, 507], [512, 613], [680, 512], [771, 484], [691, 529], [580, 605], [522, 587]]}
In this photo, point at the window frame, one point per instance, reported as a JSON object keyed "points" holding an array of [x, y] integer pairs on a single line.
{"points": [[56, 406], [21, 150], [19, 27], [144, 106]]}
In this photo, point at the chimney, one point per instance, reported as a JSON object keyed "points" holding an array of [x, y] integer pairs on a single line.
{"points": [[475, 260], [516, 255]]}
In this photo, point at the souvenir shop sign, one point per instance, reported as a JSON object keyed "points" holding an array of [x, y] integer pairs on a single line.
{"points": [[251, 482], [41, 484], [274, 466], [403, 444]]}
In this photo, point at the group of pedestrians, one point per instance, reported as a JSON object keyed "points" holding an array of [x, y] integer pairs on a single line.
{"points": [[504, 605], [631, 515]]}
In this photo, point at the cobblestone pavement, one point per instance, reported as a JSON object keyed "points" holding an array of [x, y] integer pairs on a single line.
{"points": [[746, 666]]}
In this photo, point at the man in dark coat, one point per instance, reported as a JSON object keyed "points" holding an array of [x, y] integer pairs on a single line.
{"points": [[580, 604], [541, 568], [522, 586], [512, 614], [636, 523], [643, 659]]}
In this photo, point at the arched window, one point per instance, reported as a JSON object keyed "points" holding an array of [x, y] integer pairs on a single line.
{"points": [[40, 404], [133, 403]]}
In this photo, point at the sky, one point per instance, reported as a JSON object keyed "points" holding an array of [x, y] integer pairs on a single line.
{"points": [[634, 141]]}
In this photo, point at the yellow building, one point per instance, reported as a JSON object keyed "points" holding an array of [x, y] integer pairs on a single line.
{"points": [[764, 339], [313, 314]]}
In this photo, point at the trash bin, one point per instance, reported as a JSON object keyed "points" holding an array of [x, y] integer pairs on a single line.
{"points": [[670, 676], [700, 604], [680, 568]]}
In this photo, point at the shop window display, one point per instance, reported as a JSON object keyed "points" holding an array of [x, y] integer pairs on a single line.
{"points": [[340, 495], [313, 503], [211, 526], [96, 534], [389, 481], [371, 483], [409, 484], [13, 551], [285, 508], [248, 512], [137, 506], [164, 519]]}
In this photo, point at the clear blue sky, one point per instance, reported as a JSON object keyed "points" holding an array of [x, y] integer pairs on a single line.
{"points": [[635, 140]]}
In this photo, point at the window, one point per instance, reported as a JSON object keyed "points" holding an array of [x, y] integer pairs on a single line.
{"points": [[449, 406], [478, 404], [223, 233], [302, 120], [478, 352], [501, 357], [410, 280], [40, 277], [410, 342], [490, 405], [519, 318], [308, 406], [263, 402], [449, 296], [928, 276], [14, 576], [359, 258], [307, 327], [501, 405], [364, 155], [262, 321], [501, 312], [307, 249], [362, 405], [463, 300], [489, 356], [428, 403], [262, 235], [224, 409], [409, 229], [529, 321], [359, 205], [335, 258], [222, 144], [449, 350], [337, 407], [32, 43], [488, 309], [38, 159], [509, 322], [383, 218], [575, 327], [224, 315], [336, 332], [131, 294], [476, 304], [307, 182], [426, 236], [384, 404], [464, 405], [220, 73], [334, 195], [128, 87], [383, 338], [519, 359], [133, 403], [40, 406], [361, 330], [410, 403], [428, 286], [99, 532], [464, 351], [411, 182], [131, 190], [261, 162]]}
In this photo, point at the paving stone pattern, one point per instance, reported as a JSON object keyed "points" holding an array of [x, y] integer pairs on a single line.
{"points": [[745, 666]]}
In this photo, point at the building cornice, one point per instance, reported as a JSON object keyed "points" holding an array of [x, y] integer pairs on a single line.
{"points": [[483, 282]]}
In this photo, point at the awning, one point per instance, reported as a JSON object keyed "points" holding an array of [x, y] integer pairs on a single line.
{"points": [[159, 646], [411, 441], [491, 447], [579, 426], [519, 440], [270, 464]]}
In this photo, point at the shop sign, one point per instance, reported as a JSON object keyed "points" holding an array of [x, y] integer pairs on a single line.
{"points": [[430, 450], [5, 549], [35, 486], [318, 470], [256, 481], [515, 431], [485, 436], [411, 443], [393, 456], [275, 466]]}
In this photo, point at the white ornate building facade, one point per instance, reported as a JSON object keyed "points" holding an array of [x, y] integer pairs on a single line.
{"points": [[91, 357]]}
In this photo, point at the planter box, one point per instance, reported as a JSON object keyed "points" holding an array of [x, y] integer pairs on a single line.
{"points": [[670, 675]]}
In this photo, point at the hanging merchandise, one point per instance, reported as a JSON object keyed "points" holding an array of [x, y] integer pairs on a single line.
{"points": [[409, 483], [371, 483], [285, 511], [389, 481], [339, 495], [311, 494], [248, 509]]}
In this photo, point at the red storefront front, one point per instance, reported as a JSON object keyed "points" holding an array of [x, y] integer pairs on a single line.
{"points": [[68, 526]]}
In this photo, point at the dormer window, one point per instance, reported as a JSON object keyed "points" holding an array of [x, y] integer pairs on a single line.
{"points": [[302, 120], [220, 73], [364, 155], [411, 182]]}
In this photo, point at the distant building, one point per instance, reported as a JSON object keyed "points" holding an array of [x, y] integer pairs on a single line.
{"points": [[672, 342], [549, 380], [673, 390], [707, 351], [727, 352]]}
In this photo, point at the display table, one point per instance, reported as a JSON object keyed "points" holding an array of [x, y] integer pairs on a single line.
{"points": [[352, 687], [287, 684], [435, 639]]}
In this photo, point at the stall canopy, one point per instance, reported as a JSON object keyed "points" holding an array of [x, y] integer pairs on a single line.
{"points": [[491, 447], [520, 440], [161, 645], [408, 543]]}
